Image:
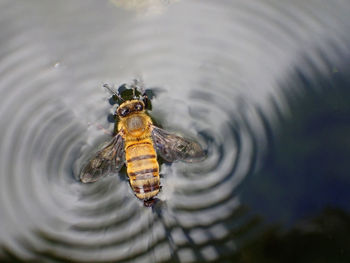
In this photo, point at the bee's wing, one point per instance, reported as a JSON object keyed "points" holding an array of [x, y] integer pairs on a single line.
{"points": [[109, 159], [172, 147]]}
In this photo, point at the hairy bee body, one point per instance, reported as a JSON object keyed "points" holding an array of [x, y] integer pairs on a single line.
{"points": [[142, 168], [136, 143], [140, 155]]}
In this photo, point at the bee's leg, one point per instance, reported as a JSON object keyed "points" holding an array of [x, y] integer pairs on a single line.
{"points": [[133, 92], [138, 85], [100, 127], [147, 99], [137, 88]]}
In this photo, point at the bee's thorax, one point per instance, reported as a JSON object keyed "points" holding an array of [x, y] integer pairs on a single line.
{"points": [[135, 125]]}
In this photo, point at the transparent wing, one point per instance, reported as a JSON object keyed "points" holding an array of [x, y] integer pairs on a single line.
{"points": [[109, 159], [172, 147]]}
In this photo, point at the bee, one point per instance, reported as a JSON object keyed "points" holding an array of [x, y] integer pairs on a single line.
{"points": [[136, 143]]}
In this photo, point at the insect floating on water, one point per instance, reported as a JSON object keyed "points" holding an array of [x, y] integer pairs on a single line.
{"points": [[136, 143]]}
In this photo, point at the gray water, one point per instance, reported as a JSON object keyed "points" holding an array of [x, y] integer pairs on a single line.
{"points": [[262, 85]]}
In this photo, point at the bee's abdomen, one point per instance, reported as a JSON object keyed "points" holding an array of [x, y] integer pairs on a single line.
{"points": [[143, 169]]}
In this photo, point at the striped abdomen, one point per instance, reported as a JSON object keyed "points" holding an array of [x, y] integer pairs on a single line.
{"points": [[142, 168]]}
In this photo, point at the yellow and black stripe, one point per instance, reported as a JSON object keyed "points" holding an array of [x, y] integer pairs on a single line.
{"points": [[142, 167]]}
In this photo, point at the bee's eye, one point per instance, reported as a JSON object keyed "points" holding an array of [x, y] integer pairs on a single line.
{"points": [[138, 107], [123, 112]]}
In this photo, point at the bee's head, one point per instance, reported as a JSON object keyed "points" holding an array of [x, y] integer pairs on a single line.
{"points": [[130, 107], [130, 100]]}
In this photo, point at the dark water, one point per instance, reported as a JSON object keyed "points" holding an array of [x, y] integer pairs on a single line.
{"points": [[263, 86]]}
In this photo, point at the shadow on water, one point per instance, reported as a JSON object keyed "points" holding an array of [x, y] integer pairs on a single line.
{"points": [[322, 238], [238, 224], [302, 189]]}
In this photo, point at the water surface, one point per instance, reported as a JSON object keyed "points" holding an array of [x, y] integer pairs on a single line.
{"points": [[263, 86]]}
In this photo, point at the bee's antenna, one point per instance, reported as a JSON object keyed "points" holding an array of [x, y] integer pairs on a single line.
{"points": [[133, 92], [135, 86], [113, 91]]}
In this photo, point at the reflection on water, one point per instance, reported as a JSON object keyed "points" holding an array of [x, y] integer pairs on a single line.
{"points": [[306, 166], [324, 238], [263, 85]]}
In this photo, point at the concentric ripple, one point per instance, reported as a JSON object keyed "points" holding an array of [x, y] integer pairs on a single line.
{"points": [[214, 67]]}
